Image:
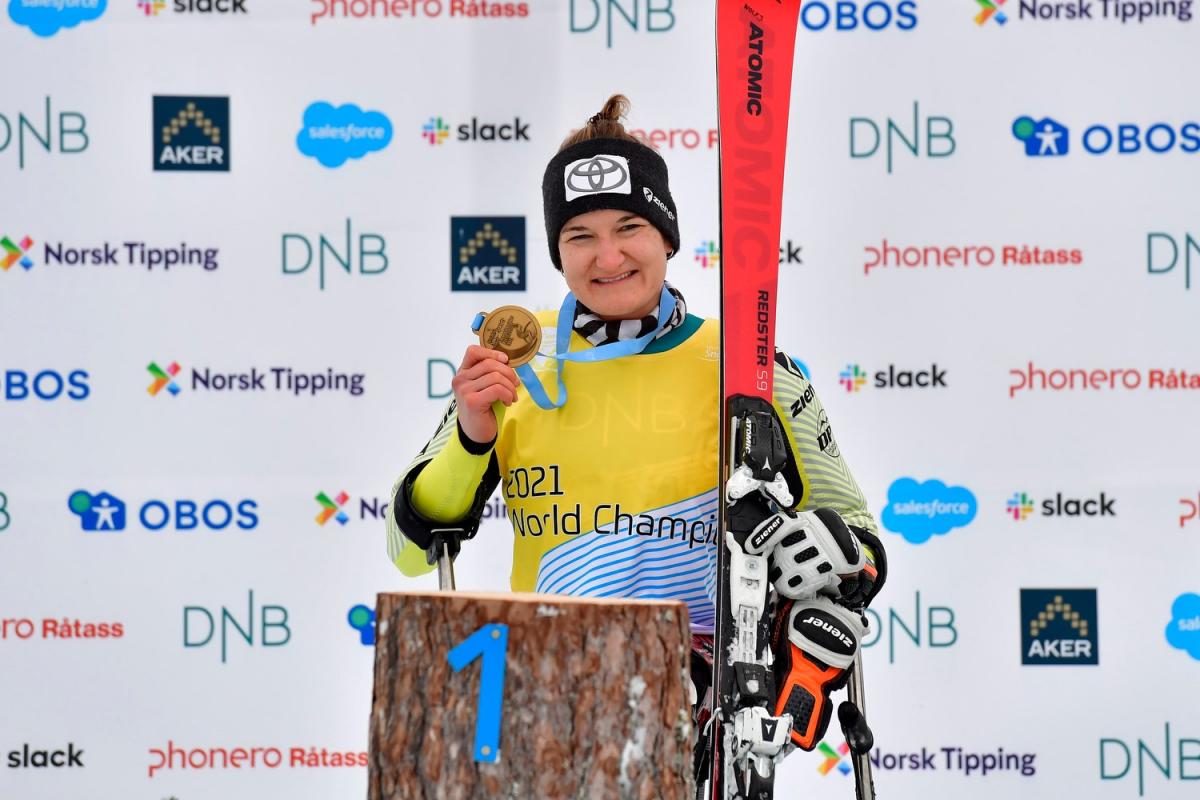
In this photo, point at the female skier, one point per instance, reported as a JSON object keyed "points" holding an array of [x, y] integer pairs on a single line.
{"points": [[614, 493]]}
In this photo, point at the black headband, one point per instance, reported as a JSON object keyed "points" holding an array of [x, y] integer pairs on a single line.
{"points": [[607, 173]]}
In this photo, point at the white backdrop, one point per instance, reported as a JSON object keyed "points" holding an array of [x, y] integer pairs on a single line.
{"points": [[145, 707]]}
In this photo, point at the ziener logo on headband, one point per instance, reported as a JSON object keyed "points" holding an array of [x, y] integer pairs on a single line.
{"points": [[597, 175]]}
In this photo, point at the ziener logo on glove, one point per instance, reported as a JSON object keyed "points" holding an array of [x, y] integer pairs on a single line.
{"points": [[830, 628]]}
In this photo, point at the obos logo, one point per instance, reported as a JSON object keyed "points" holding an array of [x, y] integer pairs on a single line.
{"points": [[1048, 137], [191, 134], [362, 619], [920, 511], [334, 135], [1183, 631], [106, 512], [487, 254], [1059, 626], [47, 19], [47, 384], [872, 15]]}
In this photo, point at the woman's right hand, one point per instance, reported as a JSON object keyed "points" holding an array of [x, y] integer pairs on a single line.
{"points": [[483, 378]]}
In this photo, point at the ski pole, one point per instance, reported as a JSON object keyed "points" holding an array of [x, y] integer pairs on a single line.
{"points": [[852, 715], [443, 549]]}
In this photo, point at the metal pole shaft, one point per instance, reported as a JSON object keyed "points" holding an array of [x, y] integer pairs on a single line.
{"points": [[864, 783], [445, 566]]}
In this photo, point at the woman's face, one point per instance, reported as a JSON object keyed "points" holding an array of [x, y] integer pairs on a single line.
{"points": [[614, 261]]}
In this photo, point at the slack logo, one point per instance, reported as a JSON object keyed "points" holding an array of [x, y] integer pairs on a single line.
{"points": [[1059, 627], [853, 378], [1021, 505], [30, 757]]}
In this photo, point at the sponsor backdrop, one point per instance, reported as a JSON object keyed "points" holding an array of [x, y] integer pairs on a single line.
{"points": [[241, 243]]}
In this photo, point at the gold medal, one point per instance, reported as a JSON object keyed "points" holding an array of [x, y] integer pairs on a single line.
{"points": [[513, 331]]}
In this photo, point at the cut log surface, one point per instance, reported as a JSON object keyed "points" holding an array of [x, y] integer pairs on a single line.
{"points": [[595, 701]]}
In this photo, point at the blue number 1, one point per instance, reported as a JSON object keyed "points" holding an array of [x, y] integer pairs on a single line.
{"points": [[490, 641]]}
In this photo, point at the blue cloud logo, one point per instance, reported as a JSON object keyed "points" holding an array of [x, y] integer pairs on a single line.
{"points": [[919, 511], [333, 135], [47, 19], [1183, 632]]}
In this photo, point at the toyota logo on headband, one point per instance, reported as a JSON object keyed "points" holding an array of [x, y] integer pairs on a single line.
{"points": [[597, 175]]}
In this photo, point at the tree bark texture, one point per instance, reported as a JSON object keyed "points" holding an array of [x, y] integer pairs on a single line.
{"points": [[595, 701]]}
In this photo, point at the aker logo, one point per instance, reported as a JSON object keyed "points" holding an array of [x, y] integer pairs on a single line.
{"points": [[16, 252], [587, 15], [1059, 627], [920, 511], [31, 756], [1043, 137], [105, 512], [1183, 631], [487, 254], [200, 626], [334, 135], [990, 9], [834, 759], [1021, 505], [331, 508], [191, 134], [46, 19], [163, 379], [598, 174], [98, 512], [362, 619], [865, 15], [436, 131]]}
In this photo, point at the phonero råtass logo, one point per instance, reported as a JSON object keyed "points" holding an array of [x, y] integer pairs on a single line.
{"points": [[163, 378], [191, 134], [1059, 627], [334, 135], [1183, 631], [47, 19], [15, 253], [487, 254], [332, 508], [920, 511]]}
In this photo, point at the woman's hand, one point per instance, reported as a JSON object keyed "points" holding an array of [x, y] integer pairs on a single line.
{"points": [[483, 378]]}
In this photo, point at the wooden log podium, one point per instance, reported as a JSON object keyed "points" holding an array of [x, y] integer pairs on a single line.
{"points": [[593, 701]]}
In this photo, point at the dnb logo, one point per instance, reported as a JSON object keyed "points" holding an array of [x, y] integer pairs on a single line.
{"points": [[46, 19], [1059, 627], [487, 254], [597, 175], [191, 134], [362, 619], [920, 511]]}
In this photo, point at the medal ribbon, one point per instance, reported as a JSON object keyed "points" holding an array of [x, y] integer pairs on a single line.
{"points": [[566, 321]]}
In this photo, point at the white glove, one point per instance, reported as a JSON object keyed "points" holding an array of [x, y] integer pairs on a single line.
{"points": [[810, 552]]}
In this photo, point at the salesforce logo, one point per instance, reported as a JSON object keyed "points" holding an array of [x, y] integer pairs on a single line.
{"points": [[1183, 633], [919, 511], [47, 19], [334, 135]]}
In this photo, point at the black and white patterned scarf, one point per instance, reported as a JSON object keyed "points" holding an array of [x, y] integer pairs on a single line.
{"points": [[599, 331]]}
